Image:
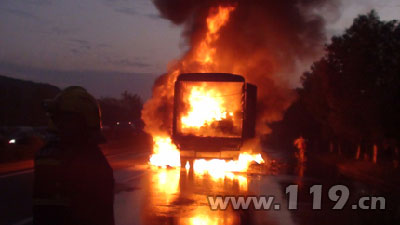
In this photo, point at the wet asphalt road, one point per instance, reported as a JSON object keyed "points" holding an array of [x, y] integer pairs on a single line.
{"points": [[147, 195]]}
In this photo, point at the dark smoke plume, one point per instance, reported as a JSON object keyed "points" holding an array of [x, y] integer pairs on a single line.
{"points": [[265, 40]]}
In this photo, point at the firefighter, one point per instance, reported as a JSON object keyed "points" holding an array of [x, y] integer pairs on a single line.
{"points": [[300, 144], [73, 182]]}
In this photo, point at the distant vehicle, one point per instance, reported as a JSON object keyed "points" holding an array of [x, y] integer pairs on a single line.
{"points": [[122, 129], [25, 138], [214, 113], [22, 142]]}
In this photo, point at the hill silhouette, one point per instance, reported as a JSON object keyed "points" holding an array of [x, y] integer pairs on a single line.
{"points": [[20, 102]]}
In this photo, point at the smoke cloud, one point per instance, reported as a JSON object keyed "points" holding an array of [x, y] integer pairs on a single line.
{"points": [[266, 41]]}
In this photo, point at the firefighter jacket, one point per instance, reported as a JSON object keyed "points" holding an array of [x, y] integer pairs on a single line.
{"points": [[72, 186]]}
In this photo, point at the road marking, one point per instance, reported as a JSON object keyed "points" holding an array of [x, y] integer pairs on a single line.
{"points": [[24, 221], [16, 173]]}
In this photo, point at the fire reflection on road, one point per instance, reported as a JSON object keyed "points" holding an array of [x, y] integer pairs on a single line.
{"points": [[164, 188], [203, 215], [179, 196]]}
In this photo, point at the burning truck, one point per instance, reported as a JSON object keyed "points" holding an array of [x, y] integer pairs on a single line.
{"points": [[200, 118], [214, 113], [207, 117]]}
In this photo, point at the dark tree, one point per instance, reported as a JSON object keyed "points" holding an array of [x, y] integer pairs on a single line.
{"points": [[354, 90], [351, 96], [125, 109]]}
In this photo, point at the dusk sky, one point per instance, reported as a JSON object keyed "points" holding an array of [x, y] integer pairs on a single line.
{"points": [[109, 46]]}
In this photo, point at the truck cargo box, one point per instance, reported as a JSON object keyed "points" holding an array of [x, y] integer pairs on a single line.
{"points": [[213, 112]]}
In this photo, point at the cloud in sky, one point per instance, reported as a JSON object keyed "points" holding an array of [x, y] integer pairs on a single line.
{"points": [[60, 30], [99, 83], [127, 10], [38, 2], [79, 34], [20, 13], [154, 16], [387, 10], [128, 62]]}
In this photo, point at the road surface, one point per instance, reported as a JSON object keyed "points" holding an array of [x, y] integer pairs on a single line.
{"points": [[145, 195]]}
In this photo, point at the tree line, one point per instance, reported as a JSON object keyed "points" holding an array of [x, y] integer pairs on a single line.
{"points": [[350, 98], [21, 104]]}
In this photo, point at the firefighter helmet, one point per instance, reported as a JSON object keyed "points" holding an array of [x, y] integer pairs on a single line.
{"points": [[76, 99]]}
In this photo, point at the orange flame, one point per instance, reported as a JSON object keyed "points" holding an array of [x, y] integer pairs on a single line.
{"points": [[205, 108], [217, 18], [165, 153], [218, 167], [210, 107], [206, 105]]}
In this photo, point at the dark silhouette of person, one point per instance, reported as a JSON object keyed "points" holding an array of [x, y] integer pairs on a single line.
{"points": [[73, 182]]}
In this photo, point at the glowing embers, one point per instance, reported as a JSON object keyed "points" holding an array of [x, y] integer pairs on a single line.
{"points": [[211, 109]]}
